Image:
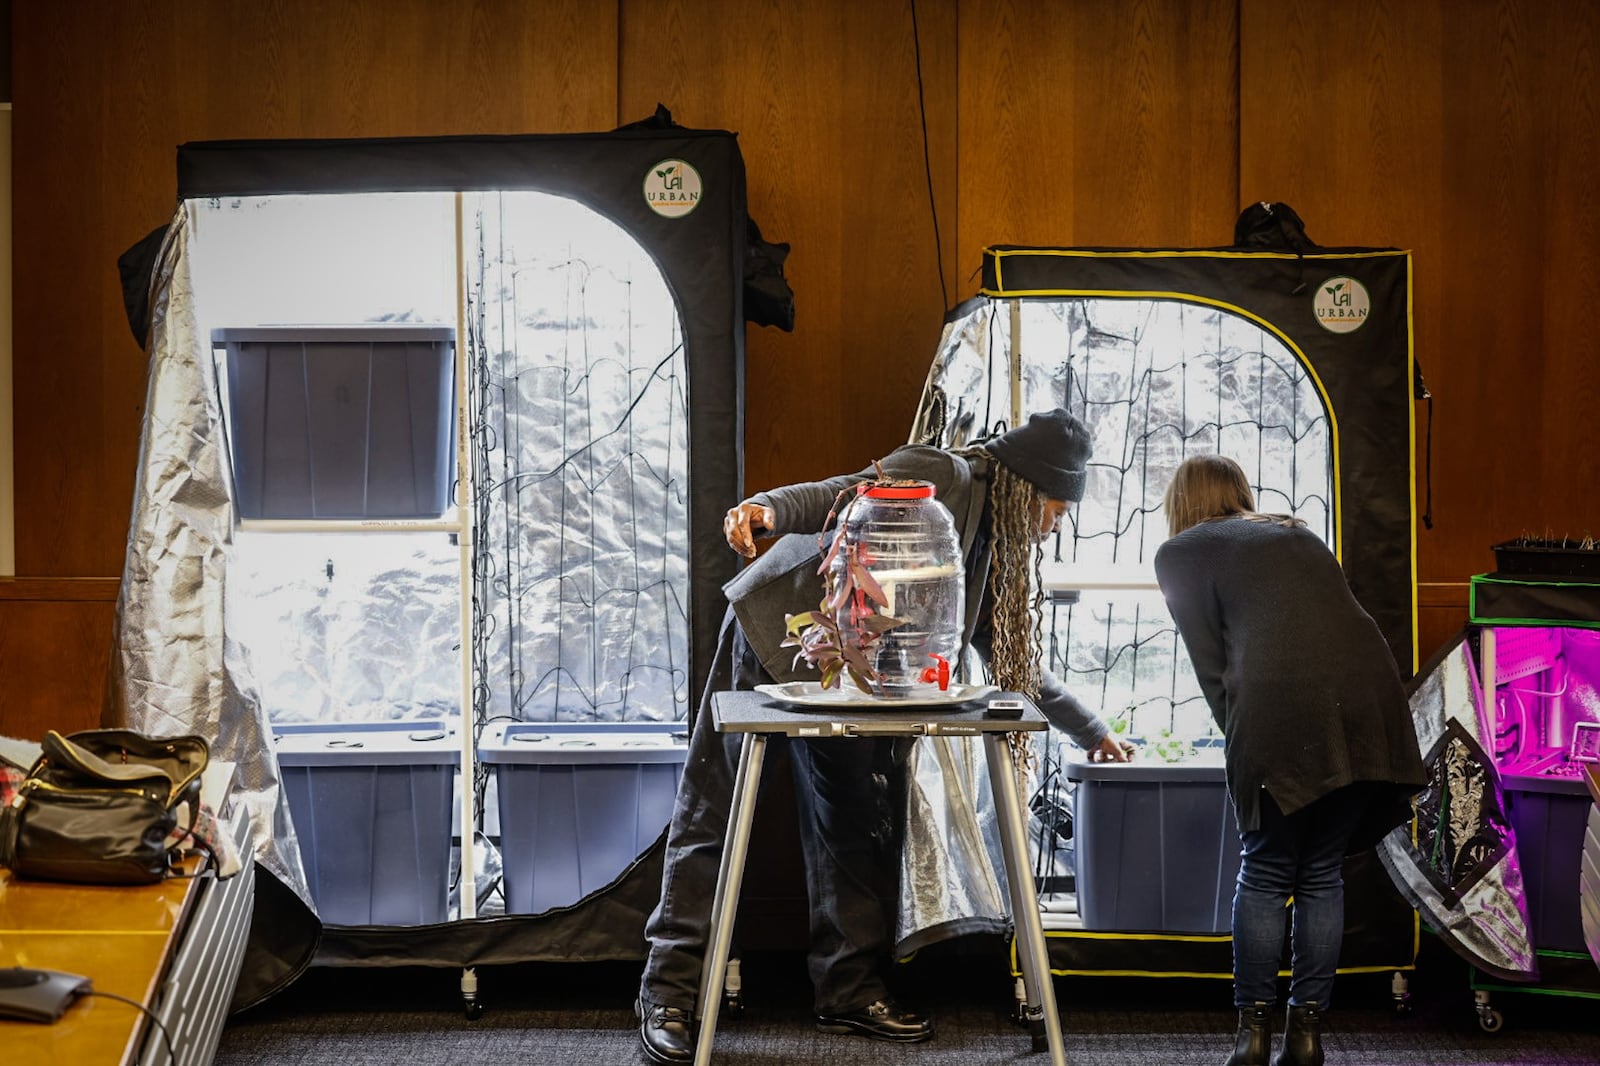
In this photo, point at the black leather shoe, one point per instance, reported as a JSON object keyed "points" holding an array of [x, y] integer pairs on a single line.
{"points": [[882, 1020], [665, 1033], [1253, 1044], [1302, 1036]]}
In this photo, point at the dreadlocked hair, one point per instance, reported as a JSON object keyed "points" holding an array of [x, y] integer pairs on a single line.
{"points": [[1016, 596]]}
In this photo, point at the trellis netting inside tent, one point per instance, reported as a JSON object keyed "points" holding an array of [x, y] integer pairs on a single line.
{"points": [[1296, 362], [588, 290]]}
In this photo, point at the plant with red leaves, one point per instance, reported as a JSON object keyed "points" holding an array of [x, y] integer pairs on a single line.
{"points": [[840, 636]]}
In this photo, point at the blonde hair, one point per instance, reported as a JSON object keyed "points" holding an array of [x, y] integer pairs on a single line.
{"points": [[1207, 487]]}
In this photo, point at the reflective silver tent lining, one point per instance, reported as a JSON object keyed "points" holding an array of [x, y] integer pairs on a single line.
{"points": [[178, 668], [1160, 379], [175, 668], [1489, 923], [580, 454]]}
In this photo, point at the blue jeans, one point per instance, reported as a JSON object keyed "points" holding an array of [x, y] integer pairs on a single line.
{"points": [[1299, 856]]}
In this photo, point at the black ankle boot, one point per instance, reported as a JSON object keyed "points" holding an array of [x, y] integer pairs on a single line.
{"points": [[1254, 1043], [1302, 1036]]}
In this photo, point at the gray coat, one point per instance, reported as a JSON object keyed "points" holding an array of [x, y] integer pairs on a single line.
{"points": [[784, 580], [1298, 676]]}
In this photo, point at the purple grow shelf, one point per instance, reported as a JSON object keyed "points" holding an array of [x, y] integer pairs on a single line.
{"points": [[1546, 714]]}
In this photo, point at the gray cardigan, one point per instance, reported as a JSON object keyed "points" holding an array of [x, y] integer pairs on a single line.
{"points": [[1298, 676], [784, 580]]}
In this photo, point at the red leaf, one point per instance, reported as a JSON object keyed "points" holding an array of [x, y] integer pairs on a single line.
{"points": [[862, 683], [868, 584], [833, 550], [840, 597]]}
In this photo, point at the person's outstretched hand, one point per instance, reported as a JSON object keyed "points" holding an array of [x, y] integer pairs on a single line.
{"points": [[741, 522], [1110, 749]]}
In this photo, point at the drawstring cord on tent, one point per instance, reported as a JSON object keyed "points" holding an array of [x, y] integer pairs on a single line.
{"points": [[1420, 391]]}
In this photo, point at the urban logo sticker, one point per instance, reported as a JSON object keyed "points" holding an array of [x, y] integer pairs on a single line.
{"points": [[672, 188], [1341, 305]]}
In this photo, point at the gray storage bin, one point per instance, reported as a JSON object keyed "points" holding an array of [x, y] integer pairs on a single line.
{"points": [[372, 805], [1549, 816], [341, 421], [1156, 846], [578, 802]]}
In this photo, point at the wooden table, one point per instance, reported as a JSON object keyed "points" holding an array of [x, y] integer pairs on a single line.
{"points": [[175, 947], [120, 937]]}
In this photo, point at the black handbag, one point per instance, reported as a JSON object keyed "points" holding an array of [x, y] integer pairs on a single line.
{"points": [[98, 807]]}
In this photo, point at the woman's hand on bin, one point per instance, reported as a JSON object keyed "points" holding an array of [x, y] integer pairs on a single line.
{"points": [[741, 522]]}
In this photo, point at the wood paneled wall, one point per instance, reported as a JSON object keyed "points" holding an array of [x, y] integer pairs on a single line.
{"points": [[1462, 130], [55, 644], [1470, 133]]}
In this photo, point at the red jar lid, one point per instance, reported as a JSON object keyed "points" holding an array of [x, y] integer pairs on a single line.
{"points": [[922, 490]]}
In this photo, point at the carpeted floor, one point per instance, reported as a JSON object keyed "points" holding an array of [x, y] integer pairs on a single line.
{"points": [[553, 1015]]}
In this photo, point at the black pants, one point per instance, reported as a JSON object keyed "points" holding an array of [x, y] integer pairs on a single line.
{"points": [[844, 838]]}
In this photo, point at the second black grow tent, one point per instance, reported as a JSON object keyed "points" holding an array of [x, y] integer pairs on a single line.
{"points": [[1297, 362]]}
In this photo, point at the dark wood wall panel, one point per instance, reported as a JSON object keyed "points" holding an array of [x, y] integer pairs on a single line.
{"points": [[824, 97], [1442, 610], [1466, 132], [1088, 123], [106, 91], [1562, 203], [55, 644]]}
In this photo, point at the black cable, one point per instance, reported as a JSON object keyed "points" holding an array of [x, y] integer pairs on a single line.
{"points": [[1427, 507], [172, 1056], [927, 163], [1420, 391]]}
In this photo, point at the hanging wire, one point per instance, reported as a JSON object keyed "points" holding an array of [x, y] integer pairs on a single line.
{"points": [[927, 161], [583, 401]]}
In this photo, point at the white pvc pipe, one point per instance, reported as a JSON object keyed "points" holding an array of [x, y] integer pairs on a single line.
{"points": [[469, 880], [1059, 577], [1016, 363], [449, 523]]}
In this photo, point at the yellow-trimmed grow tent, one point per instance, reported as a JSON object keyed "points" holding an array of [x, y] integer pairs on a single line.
{"points": [[1297, 361]]}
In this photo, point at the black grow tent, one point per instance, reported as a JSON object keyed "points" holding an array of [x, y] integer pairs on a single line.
{"points": [[1297, 361], [591, 291]]}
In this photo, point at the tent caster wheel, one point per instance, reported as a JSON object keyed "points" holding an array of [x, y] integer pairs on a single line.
{"points": [[1400, 994], [1019, 1003], [733, 988], [472, 1009], [1489, 1019]]}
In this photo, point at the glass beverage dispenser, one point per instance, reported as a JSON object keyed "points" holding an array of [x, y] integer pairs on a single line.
{"points": [[906, 540]]}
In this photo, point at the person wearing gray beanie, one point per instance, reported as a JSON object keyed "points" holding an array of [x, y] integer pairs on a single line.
{"points": [[1006, 495], [1050, 450]]}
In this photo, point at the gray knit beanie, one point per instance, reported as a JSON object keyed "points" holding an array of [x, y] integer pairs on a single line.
{"points": [[1049, 451]]}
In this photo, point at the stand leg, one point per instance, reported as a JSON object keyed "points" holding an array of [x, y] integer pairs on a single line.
{"points": [[1031, 951], [730, 877]]}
